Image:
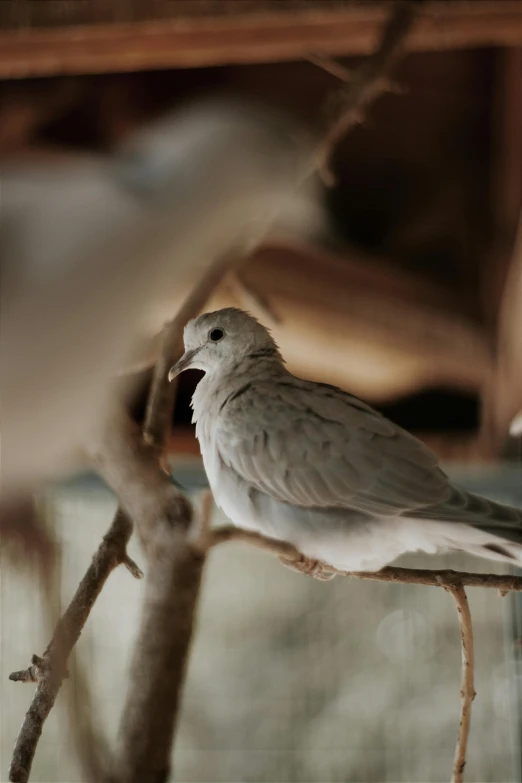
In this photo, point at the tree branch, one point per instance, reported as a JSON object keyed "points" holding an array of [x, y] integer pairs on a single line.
{"points": [[50, 670], [331, 66], [467, 688], [366, 83], [160, 660], [171, 536], [417, 576], [164, 519], [170, 533]]}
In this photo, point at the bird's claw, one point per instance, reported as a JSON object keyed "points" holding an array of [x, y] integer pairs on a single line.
{"points": [[310, 567]]}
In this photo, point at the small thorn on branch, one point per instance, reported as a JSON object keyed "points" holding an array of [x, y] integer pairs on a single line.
{"points": [[32, 674], [40, 667], [135, 570]]}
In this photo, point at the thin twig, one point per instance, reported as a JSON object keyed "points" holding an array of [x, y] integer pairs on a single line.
{"points": [[50, 670], [367, 82], [331, 66], [418, 576], [467, 688]]}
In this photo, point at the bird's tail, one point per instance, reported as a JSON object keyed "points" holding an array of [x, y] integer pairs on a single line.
{"points": [[487, 528]]}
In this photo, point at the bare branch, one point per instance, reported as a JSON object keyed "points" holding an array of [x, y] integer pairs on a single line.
{"points": [[51, 669], [230, 533], [160, 659], [467, 689], [163, 518], [171, 535], [417, 576], [368, 82], [331, 66]]}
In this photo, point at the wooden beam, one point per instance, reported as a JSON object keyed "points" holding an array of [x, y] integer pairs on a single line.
{"points": [[79, 36]]}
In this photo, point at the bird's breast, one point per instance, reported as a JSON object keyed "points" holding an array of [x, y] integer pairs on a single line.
{"points": [[231, 492]]}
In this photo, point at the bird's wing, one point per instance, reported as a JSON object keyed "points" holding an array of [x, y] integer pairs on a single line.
{"points": [[312, 444]]}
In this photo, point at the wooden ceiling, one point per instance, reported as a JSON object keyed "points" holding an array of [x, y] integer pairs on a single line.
{"points": [[51, 37]]}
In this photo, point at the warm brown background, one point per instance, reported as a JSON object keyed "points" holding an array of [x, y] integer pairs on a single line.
{"points": [[398, 294]]}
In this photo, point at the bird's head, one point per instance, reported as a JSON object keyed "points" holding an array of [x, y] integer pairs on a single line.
{"points": [[222, 340]]}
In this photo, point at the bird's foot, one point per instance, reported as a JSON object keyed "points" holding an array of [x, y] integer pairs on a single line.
{"points": [[310, 567]]}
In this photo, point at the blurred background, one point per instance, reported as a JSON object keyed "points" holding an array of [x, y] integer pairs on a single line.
{"points": [[401, 283]]}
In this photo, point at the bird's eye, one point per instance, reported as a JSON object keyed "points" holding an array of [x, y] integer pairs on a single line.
{"points": [[216, 335]]}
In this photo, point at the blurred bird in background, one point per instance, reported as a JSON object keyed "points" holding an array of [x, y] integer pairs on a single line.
{"points": [[97, 252]]}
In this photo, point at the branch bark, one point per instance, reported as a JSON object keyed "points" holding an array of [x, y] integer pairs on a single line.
{"points": [[160, 660], [50, 670], [467, 688], [171, 536], [164, 518]]}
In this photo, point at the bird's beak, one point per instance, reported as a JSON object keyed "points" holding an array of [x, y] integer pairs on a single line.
{"points": [[183, 364]]}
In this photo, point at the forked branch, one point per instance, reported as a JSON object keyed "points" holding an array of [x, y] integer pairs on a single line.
{"points": [[50, 670], [366, 83]]}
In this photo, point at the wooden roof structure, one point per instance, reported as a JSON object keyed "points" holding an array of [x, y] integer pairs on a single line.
{"points": [[95, 36], [412, 284]]}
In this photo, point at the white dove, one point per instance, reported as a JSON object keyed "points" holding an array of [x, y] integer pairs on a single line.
{"points": [[310, 464]]}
